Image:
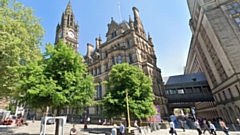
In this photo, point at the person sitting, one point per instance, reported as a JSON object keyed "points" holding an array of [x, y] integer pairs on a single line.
{"points": [[105, 122], [136, 126]]}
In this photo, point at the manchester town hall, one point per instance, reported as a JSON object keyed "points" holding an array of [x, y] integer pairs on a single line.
{"points": [[125, 42]]}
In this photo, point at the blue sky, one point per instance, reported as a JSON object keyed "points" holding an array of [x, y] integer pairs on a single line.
{"points": [[165, 20]]}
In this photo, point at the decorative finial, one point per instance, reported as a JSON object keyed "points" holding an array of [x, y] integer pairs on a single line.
{"points": [[130, 19]]}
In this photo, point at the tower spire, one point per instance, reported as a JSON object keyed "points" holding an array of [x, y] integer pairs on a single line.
{"points": [[69, 7]]}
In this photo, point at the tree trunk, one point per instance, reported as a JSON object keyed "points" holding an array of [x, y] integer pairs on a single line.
{"points": [[57, 121]]}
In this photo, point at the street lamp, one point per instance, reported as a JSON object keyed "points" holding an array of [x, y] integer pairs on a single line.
{"points": [[128, 114]]}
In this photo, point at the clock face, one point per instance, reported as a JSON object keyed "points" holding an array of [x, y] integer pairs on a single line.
{"points": [[70, 34]]}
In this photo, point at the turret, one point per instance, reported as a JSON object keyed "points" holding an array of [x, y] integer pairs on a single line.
{"points": [[100, 40], [97, 44], [138, 23], [149, 38], [131, 22]]}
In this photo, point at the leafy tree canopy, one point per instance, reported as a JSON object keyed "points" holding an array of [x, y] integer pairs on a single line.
{"points": [[60, 79], [127, 78], [20, 38]]}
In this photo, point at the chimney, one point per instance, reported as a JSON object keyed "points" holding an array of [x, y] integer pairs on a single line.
{"points": [[89, 49]]}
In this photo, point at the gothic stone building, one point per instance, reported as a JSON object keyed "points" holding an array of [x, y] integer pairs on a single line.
{"points": [[214, 50], [125, 42]]}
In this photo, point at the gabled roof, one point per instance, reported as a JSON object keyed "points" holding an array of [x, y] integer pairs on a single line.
{"points": [[186, 78]]}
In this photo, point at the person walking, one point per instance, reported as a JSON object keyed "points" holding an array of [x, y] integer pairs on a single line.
{"points": [[88, 120], [121, 128], [212, 128], [182, 124], [205, 126], [73, 130], [223, 126], [197, 126], [114, 130], [172, 127]]}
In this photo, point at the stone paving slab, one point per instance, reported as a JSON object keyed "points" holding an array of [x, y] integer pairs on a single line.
{"points": [[34, 129]]}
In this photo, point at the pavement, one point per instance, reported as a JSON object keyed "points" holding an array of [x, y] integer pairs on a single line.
{"points": [[34, 129]]}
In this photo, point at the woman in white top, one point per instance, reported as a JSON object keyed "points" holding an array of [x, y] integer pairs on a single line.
{"points": [[197, 126], [114, 130], [212, 128], [172, 128]]}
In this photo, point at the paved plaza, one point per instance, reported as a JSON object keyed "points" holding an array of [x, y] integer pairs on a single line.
{"points": [[34, 129]]}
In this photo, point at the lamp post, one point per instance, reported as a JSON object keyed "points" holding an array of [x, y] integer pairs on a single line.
{"points": [[128, 114]]}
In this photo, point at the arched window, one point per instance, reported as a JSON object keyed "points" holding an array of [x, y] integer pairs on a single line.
{"points": [[119, 59], [99, 90], [99, 70], [113, 60], [130, 58], [106, 53], [106, 67], [128, 43]]}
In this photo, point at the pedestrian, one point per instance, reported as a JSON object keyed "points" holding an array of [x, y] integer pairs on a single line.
{"points": [[223, 126], [105, 122], [99, 122], [73, 130], [172, 127], [114, 130], [238, 124], [121, 128], [33, 119], [88, 120], [136, 126], [212, 128], [205, 126], [197, 126], [182, 124]]}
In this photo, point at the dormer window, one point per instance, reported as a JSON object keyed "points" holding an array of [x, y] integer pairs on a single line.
{"points": [[114, 34]]}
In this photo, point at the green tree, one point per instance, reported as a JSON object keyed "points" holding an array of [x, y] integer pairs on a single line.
{"points": [[20, 38], [59, 80], [126, 79]]}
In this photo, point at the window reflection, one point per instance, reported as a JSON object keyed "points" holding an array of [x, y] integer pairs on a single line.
{"points": [[119, 59], [229, 6]]}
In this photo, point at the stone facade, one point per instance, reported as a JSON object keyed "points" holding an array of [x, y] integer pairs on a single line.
{"points": [[214, 50], [125, 42]]}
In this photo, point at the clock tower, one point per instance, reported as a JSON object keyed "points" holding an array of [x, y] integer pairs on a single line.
{"points": [[68, 29]]}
